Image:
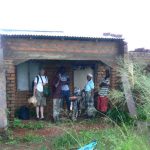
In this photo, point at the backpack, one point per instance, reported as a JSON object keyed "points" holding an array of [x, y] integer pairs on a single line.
{"points": [[46, 89], [24, 113]]}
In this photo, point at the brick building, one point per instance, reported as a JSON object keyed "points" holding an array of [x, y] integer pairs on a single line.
{"points": [[22, 54], [141, 55]]}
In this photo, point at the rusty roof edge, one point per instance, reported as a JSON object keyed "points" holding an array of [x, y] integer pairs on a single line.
{"points": [[52, 34]]}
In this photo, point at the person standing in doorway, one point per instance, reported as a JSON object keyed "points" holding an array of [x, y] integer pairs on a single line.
{"points": [[65, 90], [102, 104], [57, 98], [89, 96], [39, 81]]}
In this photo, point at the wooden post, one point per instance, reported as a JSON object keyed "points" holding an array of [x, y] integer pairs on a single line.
{"points": [[128, 95], [3, 105]]}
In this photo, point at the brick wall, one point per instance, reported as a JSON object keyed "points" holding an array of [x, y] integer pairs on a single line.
{"points": [[114, 79], [10, 87], [26, 49], [140, 56], [21, 98], [67, 46]]}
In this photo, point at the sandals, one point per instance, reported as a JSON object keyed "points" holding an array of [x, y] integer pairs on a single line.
{"points": [[39, 118], [42, 118]]}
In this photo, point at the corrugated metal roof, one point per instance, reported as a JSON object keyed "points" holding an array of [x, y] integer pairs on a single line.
{"points": [[56, 34]]}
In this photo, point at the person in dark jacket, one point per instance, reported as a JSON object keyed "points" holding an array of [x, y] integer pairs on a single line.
{"points": [[57, 98]]}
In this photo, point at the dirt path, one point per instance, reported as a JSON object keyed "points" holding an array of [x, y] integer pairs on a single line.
{"points": [[49, 132]]}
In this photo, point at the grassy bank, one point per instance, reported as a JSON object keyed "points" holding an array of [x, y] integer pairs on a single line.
{"points": [[108, 139]]}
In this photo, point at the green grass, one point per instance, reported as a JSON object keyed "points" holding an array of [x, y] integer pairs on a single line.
{"points": [[108, 139], [43, 147], [113, 138], [30, 138], [17, 123]]}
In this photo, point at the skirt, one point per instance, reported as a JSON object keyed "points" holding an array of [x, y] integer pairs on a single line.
{"points": [[102, 103]]}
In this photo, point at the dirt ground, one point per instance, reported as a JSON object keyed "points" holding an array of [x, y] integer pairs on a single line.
{"points": [[49, 132]]}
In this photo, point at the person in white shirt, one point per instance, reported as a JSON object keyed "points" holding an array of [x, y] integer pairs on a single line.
{"points": [[39, 82]]}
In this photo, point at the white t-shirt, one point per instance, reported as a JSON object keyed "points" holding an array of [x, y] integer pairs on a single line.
{"points": [[40, 84], [64, 78]]}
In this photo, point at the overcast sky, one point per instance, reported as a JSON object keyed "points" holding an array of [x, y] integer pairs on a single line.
{"points": [[127, 17]]}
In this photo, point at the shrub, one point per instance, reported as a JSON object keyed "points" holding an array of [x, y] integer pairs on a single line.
{"points": [[141, 113], [119, 116], [116, 98]]}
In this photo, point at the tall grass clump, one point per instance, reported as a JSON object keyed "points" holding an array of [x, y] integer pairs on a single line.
{"points": [[124, 135], [139, 77]]}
